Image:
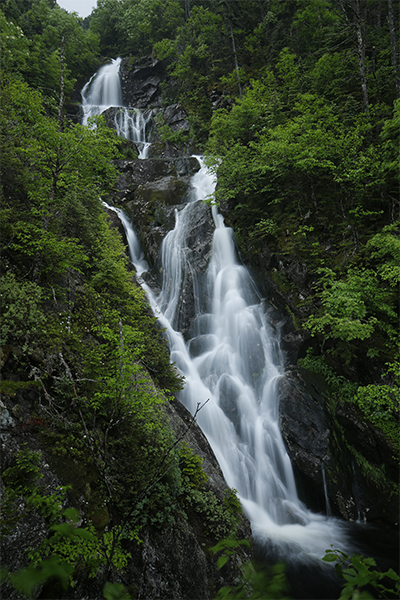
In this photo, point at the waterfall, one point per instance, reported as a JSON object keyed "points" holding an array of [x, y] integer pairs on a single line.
{"points": [[232, 359], [103, 91]]}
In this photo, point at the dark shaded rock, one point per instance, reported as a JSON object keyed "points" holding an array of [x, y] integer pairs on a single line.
{"points": [[177, 121], [197, 248], [135, 173], [306, 431], [373, 446], [168, 191], [140, 82], [325, 445]]}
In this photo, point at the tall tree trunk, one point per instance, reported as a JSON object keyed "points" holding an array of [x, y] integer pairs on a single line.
{"points": [[351, 12], [236, 59], [62, 89], [392, 26], [60, 117], [228, 20], [361, 55], [187, 10], [262, 10]]}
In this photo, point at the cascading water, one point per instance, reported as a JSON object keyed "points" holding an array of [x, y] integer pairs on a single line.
{"points": [[102, 92], [233, 359]]}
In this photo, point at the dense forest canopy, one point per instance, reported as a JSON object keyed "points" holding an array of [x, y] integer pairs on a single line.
{"points": [[296, 105]]}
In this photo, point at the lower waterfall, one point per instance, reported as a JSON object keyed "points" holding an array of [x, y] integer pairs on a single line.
{"points": [[233, 360]]}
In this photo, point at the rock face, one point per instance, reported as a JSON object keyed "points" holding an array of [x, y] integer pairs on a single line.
{"points": [[328, 476], [141, 81]]}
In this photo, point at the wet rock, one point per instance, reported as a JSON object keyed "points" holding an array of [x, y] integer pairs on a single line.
{"points": [[168, 191], [197, 250], [135, 173]]}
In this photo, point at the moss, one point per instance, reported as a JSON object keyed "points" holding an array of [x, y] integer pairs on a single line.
{"points": [[375, 473], [281, 280], [99, 517], [11, 388], [74, 466], [295, 320]]}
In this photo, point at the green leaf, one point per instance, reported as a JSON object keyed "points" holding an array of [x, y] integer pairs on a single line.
{"points": [[222, 561], [339, 570], [115, 591], [329, 557]]}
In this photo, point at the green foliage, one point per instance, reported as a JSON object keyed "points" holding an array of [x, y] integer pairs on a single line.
{"points": [[378, 403], [361, 578], [106, 23], [192, 472], [22, 314], [27, 580], [168, 135], [115, 591], [147, 21], [22, 477], [267, 584], [256, 583], [14, 46], [31, 44], [67, 544], [265, 228], [345, 312], [220, 519], [342, 389], [229, 546]]}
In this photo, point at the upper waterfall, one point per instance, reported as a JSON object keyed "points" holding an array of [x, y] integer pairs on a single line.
{"points": [[103, 91]]}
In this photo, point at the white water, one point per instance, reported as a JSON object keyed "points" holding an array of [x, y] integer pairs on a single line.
{"points": [[233, 360], [102, 92]]}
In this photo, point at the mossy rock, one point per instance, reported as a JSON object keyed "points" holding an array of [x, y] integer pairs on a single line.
{"points": [[11, 388]]}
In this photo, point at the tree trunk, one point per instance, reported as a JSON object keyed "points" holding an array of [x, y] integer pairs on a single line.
{"points": [[187, 10], [361, 55], [234, 52], [392, 26], [353, 19], [62, 89]]}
